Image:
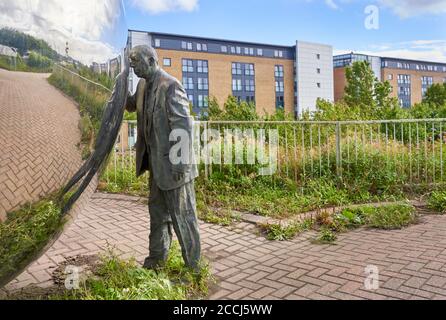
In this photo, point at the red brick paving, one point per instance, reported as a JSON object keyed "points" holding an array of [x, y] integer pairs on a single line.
{"points": [[412, 261], [39, 132]]}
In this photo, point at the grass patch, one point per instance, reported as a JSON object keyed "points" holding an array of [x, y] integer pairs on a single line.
{"points": [[326, 236], [389, 217], [25, 232], [117, 279], [392, 216], [281, 232], [437, 201]]}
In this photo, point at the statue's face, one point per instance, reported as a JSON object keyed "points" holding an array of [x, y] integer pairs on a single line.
{"points": [[143, 66]]}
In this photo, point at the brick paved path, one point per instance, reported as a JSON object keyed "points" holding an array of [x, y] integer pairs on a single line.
{"points": [[39, 132], [412, 261]]}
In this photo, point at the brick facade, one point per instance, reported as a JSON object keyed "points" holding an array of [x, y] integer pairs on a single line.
{"points": [[220, 76]]}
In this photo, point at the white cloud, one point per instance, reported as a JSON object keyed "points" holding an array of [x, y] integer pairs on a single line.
{"points": [[410, 8], [88, 26], [331, 4], [159, 6], [403, 8], [429, 50]]}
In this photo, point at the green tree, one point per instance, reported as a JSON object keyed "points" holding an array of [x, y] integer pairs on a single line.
{"points": [[367, 95], [24, 43], [436, 95], [233, 110]]}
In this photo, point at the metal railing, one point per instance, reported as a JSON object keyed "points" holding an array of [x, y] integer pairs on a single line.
{"points": [[411, 150]]}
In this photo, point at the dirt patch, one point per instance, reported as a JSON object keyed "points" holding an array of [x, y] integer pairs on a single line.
{"points": [[84, 266]]}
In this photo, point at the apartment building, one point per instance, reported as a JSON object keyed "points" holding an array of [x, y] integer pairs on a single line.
{"points": [[409, 79], [272, 76]]}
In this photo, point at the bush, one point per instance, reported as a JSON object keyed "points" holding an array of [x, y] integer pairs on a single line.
{"points": [[437, 201]]}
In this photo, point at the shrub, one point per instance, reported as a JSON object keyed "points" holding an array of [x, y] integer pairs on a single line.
{"points": [[437, 201]]}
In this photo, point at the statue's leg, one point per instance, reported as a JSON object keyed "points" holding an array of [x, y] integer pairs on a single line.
{"points": [[160, 228], [182, 207]]}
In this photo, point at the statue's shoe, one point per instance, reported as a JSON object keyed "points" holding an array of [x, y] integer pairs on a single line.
{"points": [[153, 264]]}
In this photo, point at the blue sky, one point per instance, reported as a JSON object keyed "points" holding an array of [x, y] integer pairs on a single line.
{"points": [[407, 28]]}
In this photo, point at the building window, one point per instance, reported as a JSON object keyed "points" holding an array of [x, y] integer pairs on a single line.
{"points": [[280, 102], [278, 71], [390, 77], [224, 49], [427, 81], [403, 79], [191, 98], [250, 86], [202, 101], [203, 84], [260, 52], [188, 83], [404, 91], [157, 43], [186, 45], [249, 69], [318, 70], [236, 68], [251, 51], [278, 53], [236, 84], [202, 47], [188, 65], [167, 62], [318, 85], [202, 66], [250, 99], [279, 86], [318, 56], [239, 50], [233, 50], [246, 51]]}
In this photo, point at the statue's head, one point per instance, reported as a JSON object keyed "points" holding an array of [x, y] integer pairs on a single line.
{"points": [[144, 61]]}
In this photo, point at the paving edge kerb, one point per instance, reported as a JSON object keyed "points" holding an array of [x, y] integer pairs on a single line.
{"points": [[262, 220]]}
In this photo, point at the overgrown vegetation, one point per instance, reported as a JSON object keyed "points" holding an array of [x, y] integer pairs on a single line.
{"points": [[91, 100], [25, 232], [35, 63], [437, 201], [283, 232], [117, 279], [330, 224], [391, 216]]}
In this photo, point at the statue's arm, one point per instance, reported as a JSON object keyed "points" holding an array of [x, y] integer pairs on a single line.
{"points": [[180, 119]]}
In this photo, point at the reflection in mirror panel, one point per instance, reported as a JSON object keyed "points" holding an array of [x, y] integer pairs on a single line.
{"points": [[91, 33], [62, 72]]}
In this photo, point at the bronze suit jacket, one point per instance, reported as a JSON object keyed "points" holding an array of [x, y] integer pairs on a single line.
{"points": [[163, 109]]}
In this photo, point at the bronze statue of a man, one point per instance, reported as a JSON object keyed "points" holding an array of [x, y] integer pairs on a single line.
{"points": [[162, 107]]}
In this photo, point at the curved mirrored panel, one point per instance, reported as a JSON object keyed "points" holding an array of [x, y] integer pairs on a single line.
{"points": [[63, 85]]}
